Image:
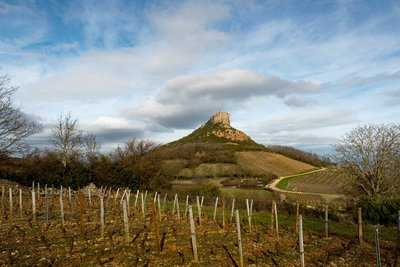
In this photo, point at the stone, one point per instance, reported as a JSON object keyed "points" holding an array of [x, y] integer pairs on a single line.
{"points": [[221, 118]]}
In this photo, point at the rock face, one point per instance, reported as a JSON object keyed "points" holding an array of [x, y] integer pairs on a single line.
{"points": [[221, 118], [217, 129]]}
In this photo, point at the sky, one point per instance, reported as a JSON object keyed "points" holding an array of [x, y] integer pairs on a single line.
{"points": [[298, 73]]}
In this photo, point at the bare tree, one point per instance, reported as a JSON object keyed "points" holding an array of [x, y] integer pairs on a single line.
{"points": [[135, 148], [67, 138], [90, 145], [370, 155], [15, 126]]}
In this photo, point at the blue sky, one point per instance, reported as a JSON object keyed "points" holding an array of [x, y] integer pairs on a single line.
{"points": [[299, 73]]}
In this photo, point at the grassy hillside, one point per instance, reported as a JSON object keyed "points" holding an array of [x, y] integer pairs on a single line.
{"points": [[261, 161], [329, 181]]}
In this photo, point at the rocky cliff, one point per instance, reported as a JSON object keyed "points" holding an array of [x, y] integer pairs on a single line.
{"points": [[217, 130]]}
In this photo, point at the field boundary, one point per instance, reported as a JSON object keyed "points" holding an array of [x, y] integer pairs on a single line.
{"points": [[280, 185]]}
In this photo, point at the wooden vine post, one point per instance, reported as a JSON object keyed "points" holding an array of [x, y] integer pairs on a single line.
{"points": [[239, 239], [90, 196], [198, 209], [159, 208], [186, 206], [223, 213], [326, 221], [177, 208], [193, 235], [46, 201], [360, 226], [232, 210], [69, 197], [33, 205], [20, 204], [248, 214], [11, 203], [136, 198], [297, 216], [126, 222], [61, 206], [2, 199], [102, 222], [215, 209], [276, 220], [377, 247], [143, 206], [301, 244]]}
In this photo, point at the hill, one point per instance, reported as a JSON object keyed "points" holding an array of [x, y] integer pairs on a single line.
{"points": [[216, 149]]}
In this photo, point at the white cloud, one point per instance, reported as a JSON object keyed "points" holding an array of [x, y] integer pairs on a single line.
{"points": [[186, 100]]}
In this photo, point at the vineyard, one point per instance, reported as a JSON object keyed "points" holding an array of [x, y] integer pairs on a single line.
{"points": [[328, 181], [104, 227]]}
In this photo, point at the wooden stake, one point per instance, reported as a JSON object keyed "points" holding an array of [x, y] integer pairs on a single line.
{"points": [[239, 239], [102, 222], [155, 197], [33, 205], [232, 210], [38, 193], [215, 209], [326, 221], [69, 196], [223, 213], [11, 203], [116, 195], [186, 206], [193, 235], [123, 197], [297, 216], [143, 207], [174, 204], [2, 200], [126, 222], [276, 220], [177, 208], [89, 196], [198, 209], [377, 247], [62, 206], [272, 218], [136, 198], [145, 196], [360, 226], [20, 203], [46, 201], [248, 213], [159, 207], [128, 200], [301, 245]]}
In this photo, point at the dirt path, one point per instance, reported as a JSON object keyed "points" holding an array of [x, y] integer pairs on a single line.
{"points": [[273, 186]]}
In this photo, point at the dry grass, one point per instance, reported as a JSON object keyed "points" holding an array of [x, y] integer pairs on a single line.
{"points": [[260, 162], [24, 242], [329, 181]]}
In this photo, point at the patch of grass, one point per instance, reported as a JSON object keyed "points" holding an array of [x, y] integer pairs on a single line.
{"points": [[284, 183]]}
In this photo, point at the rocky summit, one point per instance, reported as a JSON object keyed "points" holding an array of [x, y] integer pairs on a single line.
{"points": [[217, 130]]}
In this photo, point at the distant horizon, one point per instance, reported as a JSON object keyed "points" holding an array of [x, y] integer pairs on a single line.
{"points": [[300, 74]]}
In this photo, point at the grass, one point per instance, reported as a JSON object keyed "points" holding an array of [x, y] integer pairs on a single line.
{"points": [[27, 243], [267, 162], [284, 183]]}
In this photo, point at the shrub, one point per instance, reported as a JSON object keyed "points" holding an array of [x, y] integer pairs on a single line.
{"points": [[382, 211], [207, 190]]}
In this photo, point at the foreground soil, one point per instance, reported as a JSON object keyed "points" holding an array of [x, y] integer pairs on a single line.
{"points": [[163, 242]]}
